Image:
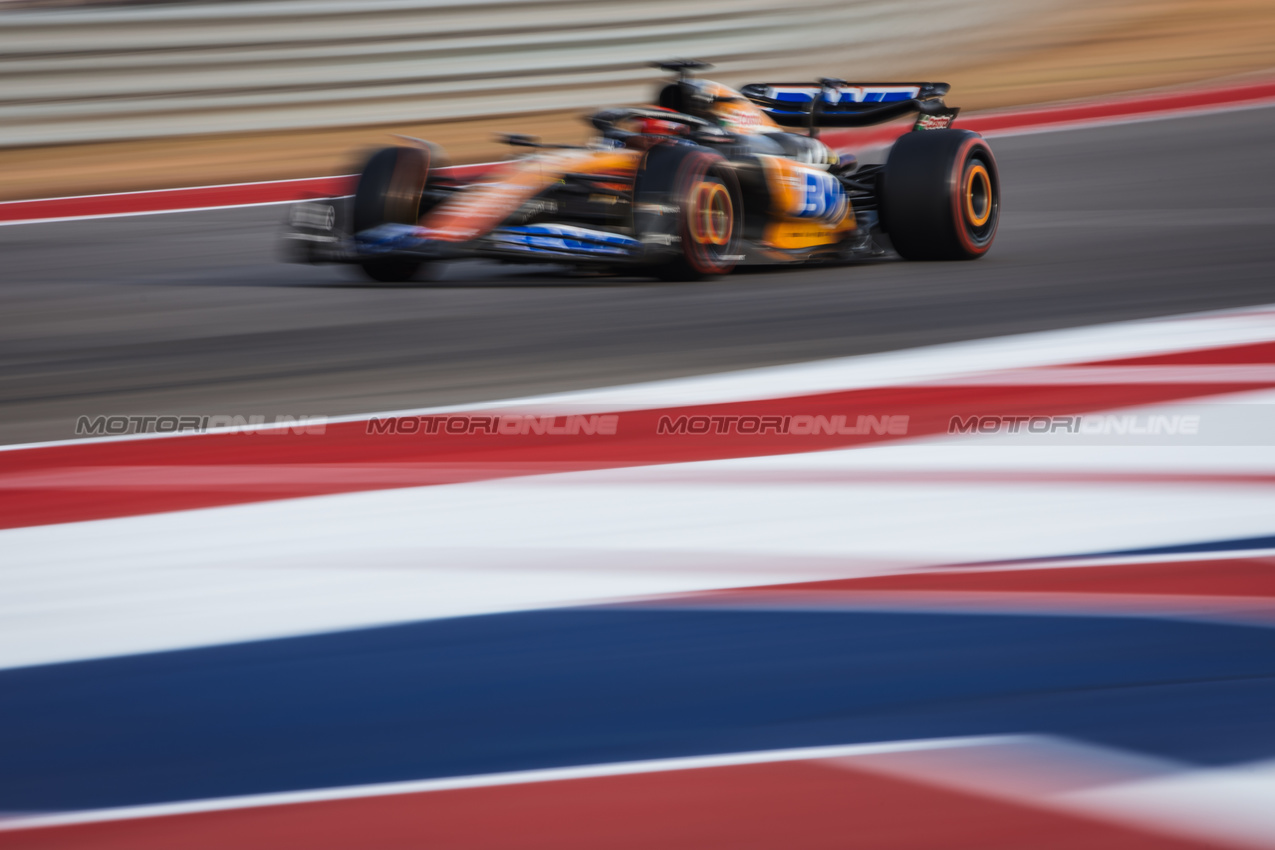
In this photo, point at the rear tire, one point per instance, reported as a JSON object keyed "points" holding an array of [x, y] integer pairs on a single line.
{"points": [[390, 191], [940, 195]]}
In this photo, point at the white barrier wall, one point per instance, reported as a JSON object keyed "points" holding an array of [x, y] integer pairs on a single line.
{"points": [[84, 74]]}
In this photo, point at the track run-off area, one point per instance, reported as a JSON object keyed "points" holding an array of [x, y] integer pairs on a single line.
{"points": [[786, 559]]}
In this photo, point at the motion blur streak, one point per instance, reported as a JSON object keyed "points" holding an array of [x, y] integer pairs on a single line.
{"points": [[243, 334], [914, 640], [1004, 123], [812, 796], [122, 479], [609, 685], [198, 731]]}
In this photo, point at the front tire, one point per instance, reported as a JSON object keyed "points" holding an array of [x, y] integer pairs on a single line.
{"points": [[390, 191], [703, 237], [940, 196]]}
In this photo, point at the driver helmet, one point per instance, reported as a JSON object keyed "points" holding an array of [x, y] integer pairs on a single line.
{"points": [[650, 126], [647, 130]]}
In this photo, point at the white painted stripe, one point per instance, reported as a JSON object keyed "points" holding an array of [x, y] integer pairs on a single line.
{"points": [[304, 566], [194, 578], [491, 780], [1225, 807], [1232, 806], [1023, 768], [1107, 375]]}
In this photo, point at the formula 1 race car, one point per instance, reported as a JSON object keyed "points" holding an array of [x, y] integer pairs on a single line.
{"points": [[705, 180]]}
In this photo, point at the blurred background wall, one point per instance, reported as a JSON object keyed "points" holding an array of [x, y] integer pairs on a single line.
{"points": [[99, 73], [101, 95]]}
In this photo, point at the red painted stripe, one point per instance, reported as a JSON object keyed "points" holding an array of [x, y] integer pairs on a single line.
{"points": [[1239, 610], [31, 494], [862, 139], [1255, 354], [199, 197], [126, 203], [240, 194], [810, 805], [1229, 577], [1165, 103]]}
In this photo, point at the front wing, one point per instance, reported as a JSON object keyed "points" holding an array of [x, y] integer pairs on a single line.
{"points": [[315, 236]]}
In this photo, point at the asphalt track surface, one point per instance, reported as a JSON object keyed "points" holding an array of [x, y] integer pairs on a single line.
{"points": [[194, 313]]}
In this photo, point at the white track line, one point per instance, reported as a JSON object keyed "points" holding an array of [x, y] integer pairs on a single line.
{"points": [[491, 780]]}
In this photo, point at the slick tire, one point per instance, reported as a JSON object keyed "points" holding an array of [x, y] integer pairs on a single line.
{"points": [[709, 204], [940, 195], [390, 191]]}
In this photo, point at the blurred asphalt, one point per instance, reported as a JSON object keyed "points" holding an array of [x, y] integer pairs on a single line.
{"points": [[192, 313]]}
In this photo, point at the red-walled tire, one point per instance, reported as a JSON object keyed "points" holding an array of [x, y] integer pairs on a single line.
{"points": [[709, 221], [940, 196]]}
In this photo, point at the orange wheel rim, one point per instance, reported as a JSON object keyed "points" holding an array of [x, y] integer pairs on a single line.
{"points": [[712, 215], [978, 196]]}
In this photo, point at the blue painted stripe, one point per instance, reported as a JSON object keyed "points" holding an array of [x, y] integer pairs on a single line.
{"points": [[551, 688], [1239, 544], [1236, 545]]}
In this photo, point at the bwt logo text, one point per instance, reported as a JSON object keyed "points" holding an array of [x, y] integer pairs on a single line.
{"points": [[509, 425], [799, 425]]}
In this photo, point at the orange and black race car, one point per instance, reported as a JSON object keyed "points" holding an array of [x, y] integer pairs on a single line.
{"points": [[704, 180]]}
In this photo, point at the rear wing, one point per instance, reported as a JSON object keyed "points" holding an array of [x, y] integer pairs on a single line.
{"points": [[835, 103]]}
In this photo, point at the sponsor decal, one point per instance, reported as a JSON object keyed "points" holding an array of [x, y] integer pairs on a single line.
{"points": [[562, 238], [825, 198], [741, 119], [800, 191], [850, 94], [934, 122], [657, 209]]}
